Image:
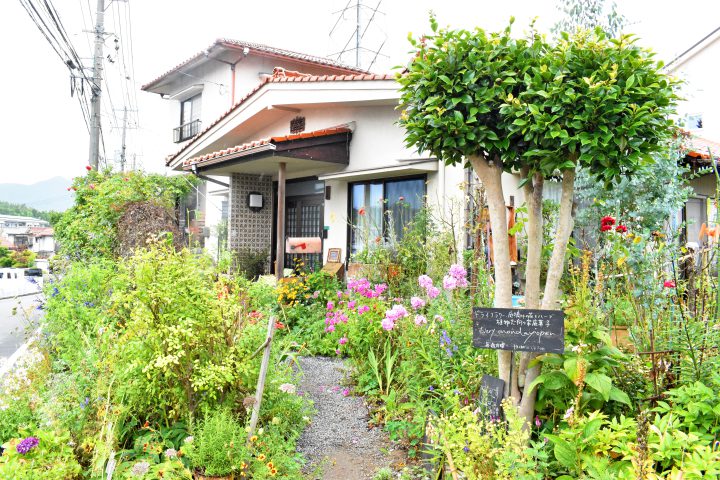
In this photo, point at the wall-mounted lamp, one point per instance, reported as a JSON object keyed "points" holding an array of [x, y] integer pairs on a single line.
{"points": [[255, 201]]}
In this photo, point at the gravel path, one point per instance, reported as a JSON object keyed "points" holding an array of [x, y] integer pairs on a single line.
{"points": [[338, 443]]}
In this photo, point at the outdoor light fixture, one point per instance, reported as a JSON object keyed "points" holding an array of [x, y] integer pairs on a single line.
{"points": [[255, 201]]}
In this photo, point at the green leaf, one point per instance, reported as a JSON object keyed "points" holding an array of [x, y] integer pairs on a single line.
{"points": [[630, 81], [564, 451], [591, 428], [618, 395], [599, 382]]}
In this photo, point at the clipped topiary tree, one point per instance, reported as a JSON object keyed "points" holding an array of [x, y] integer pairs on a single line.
{"points": [[522, 105]]}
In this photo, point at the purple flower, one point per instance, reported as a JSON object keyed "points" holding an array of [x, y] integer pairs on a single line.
{"points": [[417, 303], [425, 282], [388, 324], [433, 292], [27, 444], [538, 423], [343, 341], [449, 282], [457, 271], [363, 309], [420, 320], [431, 388], [330, 305]]}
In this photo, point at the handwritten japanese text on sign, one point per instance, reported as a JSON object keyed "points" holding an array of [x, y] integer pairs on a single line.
{"points": [[519, 329]]}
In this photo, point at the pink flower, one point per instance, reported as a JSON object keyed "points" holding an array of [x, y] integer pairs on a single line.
{"points": [[457, 271], [337, 351], [363, 309], [92, 186], [316, 293], [425, 281], [351, 304], [449, 283], [433, 292], [339, 294], [330, 305], [330, 328], [439, 318], [388, 324], [346, 392], [417, 303], [420, 320], [343, 341], [461, 282], [669, 284], [380, 288]]}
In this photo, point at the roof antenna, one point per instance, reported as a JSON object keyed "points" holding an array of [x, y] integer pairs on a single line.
{"points": [[357, 34]]}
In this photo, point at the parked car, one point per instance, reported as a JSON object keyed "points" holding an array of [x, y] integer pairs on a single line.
{"points": [[33, 272]]}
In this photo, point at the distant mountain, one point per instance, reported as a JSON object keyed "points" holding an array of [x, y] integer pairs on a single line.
{"points": [[51, 194]]}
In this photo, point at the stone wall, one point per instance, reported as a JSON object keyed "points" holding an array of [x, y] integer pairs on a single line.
{"points": [[250, 231]]}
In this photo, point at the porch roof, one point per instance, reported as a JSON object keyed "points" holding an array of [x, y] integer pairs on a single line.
{"points": [[301, 151], [701, 148], [279, 76]]}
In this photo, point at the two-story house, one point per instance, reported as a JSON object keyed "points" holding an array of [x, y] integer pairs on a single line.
{"points": [[310, 150], [699, 115]]}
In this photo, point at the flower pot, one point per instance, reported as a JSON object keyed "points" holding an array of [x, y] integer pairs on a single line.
{"points": [[199, 476], [620, 336]]}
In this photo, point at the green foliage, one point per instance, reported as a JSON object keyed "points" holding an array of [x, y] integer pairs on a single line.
{"points": [[88, 229], [177, 330], [588, 100], [5, 260], [22, 258], [252, 263], [588, 14], [486, 449], [8, 208], [696, 409], [52, 458], [636, 202], [218, 446]]}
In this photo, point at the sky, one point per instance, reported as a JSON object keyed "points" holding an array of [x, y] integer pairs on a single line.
{"points": [[42, 125]]}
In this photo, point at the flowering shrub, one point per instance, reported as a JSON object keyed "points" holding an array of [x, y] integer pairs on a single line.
{"points": [[38, 455]]}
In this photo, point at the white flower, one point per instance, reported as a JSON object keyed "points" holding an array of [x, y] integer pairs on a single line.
{"points": [[171, 453], [287, 388], [189, 439], [140, 469], [569, 413]]}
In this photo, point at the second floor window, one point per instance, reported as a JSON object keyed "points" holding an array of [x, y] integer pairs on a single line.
{"points": [[189, 119]]}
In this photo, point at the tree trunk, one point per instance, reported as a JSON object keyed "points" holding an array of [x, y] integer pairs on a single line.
{"points": [[552, 284], [490, 174], [533, 196], [562, 236]]}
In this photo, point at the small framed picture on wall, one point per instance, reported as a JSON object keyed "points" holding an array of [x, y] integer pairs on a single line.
{"points": [[334, 255]]}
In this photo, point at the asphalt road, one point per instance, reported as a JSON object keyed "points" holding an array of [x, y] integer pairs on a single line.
{"points": [[19, 313]]}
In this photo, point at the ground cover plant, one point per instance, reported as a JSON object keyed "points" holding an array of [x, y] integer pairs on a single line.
{"points": [[139, 353]]}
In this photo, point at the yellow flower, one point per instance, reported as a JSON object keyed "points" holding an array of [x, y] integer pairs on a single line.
{"points": [[270, 465], [261, 457], [253, 438], [273, 472]]}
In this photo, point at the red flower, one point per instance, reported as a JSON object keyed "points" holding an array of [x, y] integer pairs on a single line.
{"points": [[607, 220], [279, 325], [605, 228], [361, 211], [68, 189], [88, 167], [126, 179], [74, 189], [621, 229], [669, 284]]}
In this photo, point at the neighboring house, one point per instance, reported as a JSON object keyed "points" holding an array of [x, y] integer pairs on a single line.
{"points": [[699, 114], [43, 241], [310, 143], [14, 230]]}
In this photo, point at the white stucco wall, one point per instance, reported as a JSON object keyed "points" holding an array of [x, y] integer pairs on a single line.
{"points": [[700, 93]]}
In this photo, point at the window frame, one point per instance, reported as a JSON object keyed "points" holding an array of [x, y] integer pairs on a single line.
{"points": [[383, 182]]}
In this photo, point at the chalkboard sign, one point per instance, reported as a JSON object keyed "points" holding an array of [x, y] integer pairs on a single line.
{"points": [[492, 392], [519, 329]]}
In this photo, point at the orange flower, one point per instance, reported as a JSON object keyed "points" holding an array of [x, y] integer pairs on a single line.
{"points": [[361, 211]]}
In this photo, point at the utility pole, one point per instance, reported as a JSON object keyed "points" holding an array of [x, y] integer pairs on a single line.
{"points": [[122, 151], [97, 85]]}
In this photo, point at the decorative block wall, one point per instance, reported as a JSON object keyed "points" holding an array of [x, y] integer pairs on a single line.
{"points": [[250, 230]]}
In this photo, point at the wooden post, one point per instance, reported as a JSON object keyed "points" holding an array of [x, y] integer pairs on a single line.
{"points": [[280, 252], [261, 379]]}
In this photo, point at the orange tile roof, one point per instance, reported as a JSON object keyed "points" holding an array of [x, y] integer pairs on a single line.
{"points": [[280, 75], [262, 50], [698, 147], [256, 144], [41, 231]]}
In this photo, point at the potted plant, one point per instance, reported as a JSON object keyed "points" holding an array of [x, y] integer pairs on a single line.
{"points": [[622, 316], [217, 449]]}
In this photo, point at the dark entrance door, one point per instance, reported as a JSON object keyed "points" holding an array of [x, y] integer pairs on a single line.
{"points": [[304, 230]]}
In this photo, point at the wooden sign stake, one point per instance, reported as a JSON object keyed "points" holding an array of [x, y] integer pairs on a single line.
{"points": [[263, 374]]}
